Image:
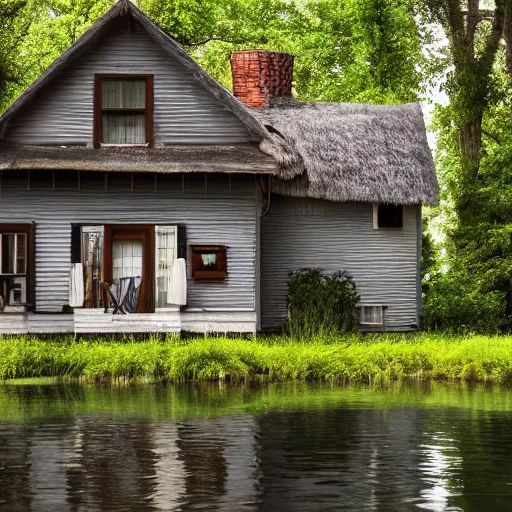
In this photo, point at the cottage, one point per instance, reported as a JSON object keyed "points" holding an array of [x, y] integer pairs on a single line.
{"points": [[139, 195]]}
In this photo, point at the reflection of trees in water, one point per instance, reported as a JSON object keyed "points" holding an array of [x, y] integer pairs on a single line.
{"points": [[477, 450]]}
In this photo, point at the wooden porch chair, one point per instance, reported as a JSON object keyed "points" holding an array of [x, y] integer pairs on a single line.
{"points": [[123, 294]]}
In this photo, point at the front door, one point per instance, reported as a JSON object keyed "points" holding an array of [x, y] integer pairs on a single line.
{"points": [[129, 252]]}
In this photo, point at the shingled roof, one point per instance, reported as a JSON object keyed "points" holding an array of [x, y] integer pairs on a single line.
{"points": [[356, 152]]}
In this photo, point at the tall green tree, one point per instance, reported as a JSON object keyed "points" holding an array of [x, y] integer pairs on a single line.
{"points": [[474, 37], [474, 165]]}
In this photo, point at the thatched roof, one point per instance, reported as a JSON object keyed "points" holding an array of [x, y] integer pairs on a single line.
{"points": [[288, 160], [334, 151], [241, 158], [356, 152]]}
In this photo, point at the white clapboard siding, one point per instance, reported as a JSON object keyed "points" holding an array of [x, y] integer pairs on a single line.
{"points": [[13, 323], [299, 233], [50, 323], [218, 322], [224, 215], [184, 112]]}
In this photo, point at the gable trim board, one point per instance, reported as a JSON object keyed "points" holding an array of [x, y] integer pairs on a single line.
{"points": [[288, 160]]}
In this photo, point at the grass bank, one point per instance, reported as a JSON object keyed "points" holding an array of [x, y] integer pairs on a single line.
{"points": [[370, 359]]}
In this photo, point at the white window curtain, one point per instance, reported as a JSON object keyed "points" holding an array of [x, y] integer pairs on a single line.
{"points": [[123, 127]]}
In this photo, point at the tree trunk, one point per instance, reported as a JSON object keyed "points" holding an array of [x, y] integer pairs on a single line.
{"points": [[470, 140], [507, 34]]}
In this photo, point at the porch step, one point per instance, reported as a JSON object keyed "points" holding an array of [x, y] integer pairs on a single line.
{"points": [[94, 321]]}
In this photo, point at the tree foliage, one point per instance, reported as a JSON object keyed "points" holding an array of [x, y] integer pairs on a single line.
{"points": [[473, 287], [349, 50]]}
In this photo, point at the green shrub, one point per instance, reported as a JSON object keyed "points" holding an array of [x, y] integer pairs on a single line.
{"points": [[321, 302]]}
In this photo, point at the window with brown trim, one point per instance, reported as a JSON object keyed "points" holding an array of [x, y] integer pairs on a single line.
{"points": [[209, 261], [16, 266], [123, 110]]}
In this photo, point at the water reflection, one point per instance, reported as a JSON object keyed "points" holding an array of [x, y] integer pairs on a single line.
{"points": [[64, 448]]}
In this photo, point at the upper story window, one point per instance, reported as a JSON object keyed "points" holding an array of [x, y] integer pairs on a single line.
{"points": [[123, 113], [388, 216]]}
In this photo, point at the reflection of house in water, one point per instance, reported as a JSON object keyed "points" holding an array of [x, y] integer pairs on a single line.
{"points": [[170, 478], [14, 472], [350, 459], [354, 459], [220, 461], [97, 463]]}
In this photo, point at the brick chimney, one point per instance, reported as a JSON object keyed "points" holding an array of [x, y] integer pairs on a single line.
{"points": [[259, 75]]}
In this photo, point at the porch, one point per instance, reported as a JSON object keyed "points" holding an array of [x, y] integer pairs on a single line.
{"points": [[89, 321]]}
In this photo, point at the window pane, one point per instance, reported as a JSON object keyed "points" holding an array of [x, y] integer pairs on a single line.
{"points": [[390, 216], [21, 262], [126, 258], [111, 93], [124, 93], [92, 243], [8, 259], [18, 291], [165, 255], [124, 128]]}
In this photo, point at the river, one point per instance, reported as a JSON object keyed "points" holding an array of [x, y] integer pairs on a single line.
{"points": [[279, 447]]}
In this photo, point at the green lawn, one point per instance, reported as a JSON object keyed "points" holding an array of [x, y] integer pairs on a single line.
{"points": [[368, 359]]}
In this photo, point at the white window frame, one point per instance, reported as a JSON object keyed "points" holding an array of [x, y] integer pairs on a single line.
{"points": [[17, 277], [382, 315], [16, 235]]}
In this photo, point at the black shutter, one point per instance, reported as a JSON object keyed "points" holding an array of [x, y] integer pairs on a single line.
{"points": [[31, 271], [76, 244], [182, 241]]}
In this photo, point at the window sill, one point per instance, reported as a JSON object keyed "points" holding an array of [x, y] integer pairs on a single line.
{"points": [[15, 309], [140, 145]]}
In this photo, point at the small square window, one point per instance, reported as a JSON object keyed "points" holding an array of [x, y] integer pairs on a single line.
{"points": [[123, 110], [371, 315], [209, 261], [387, 216]]}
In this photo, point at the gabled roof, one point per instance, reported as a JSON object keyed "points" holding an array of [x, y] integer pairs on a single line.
{"points": [[289, 162], [356, 152]]}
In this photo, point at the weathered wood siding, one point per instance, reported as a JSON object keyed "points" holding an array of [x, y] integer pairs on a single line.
{"points": [[300, 233], [184, 113], [222, 212]]}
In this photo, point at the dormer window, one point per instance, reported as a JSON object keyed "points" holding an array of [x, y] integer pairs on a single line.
{"points": [[123, 113]]}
